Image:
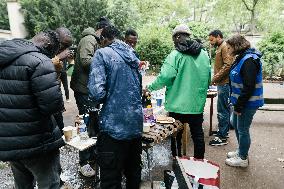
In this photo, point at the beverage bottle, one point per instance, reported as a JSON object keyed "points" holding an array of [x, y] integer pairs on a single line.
{"points": [[83, 134], [159, 98]]}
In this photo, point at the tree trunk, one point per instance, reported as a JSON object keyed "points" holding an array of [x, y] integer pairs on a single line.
{"points": [[252, 21]]}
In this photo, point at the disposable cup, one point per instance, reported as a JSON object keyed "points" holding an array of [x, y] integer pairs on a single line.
{"points": [[68, 133], [146, 127]]}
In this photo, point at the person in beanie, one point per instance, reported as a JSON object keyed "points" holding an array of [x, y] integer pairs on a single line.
{"points": [[186, 76], [246, 95], [79, 81], [30, 94]]}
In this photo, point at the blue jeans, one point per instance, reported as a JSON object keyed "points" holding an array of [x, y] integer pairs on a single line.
{"points": [[223, 110], [242, 124], [43, 169]]}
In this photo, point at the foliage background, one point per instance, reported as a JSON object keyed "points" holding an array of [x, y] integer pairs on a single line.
{"points": [[154, 21], [272, 47], [4, 21], [74, 14]]}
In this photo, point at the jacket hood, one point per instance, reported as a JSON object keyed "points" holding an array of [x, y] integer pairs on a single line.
{"points": [[253, 51], [126, 53], [12, 49], [190, 47], [89, 31]]}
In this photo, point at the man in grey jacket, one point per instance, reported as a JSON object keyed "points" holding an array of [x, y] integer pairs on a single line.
{"points": [[79, 81]]}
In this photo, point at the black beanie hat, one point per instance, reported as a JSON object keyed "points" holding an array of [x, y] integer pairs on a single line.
{"points": [[103, 22]]}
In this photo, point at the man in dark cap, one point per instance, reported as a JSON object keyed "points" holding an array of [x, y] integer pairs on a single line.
{"points": [[79, 81]]}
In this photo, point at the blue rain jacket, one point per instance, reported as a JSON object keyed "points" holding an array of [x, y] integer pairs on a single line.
{"points": [[115, 82]]}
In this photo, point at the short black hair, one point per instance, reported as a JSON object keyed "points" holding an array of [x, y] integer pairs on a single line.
{"points": [[110, 32], [132, 32], [54, 41], [102, 22], [215, 33]]}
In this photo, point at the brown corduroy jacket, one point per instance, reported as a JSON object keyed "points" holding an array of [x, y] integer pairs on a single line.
{"points": [[223, 63]]}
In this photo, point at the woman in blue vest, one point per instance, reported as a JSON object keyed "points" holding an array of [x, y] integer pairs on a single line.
{"points": [[246, 95]]}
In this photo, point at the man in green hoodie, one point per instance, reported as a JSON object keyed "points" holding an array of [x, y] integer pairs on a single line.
{"points": [[186, 76], [79, 81]]}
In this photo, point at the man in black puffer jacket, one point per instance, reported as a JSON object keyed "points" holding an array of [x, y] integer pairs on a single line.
{"points": [[29, 95]]}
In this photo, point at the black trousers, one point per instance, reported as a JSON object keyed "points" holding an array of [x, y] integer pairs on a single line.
{"points": [[195, 123], [64, 80], [44, 169], [116, 157]]}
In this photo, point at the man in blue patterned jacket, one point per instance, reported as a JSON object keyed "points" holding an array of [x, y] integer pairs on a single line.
{"points": [[115, 82]]}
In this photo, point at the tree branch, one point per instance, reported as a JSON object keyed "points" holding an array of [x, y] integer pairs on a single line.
{"points": [[255, 3], [244, 1]]}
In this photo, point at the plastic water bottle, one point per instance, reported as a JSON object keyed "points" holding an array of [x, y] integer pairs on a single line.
{"points": [[83, 131], [159, 98]]}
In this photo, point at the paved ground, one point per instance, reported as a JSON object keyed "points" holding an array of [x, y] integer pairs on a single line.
{"points": [[266, 171]]}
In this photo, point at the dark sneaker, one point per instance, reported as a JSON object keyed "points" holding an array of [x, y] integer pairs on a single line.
{"points": [[218, 141], [215, 133]]}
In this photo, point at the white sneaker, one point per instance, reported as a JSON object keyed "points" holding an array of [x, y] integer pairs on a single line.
{"points": [[87, 170], [237, 162], [233, 154]]}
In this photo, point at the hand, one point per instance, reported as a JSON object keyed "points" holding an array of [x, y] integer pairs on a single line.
{"points": [[237, 113], [65, 54], [145, 91], [98, 32], [144, 65], [71, 54]]}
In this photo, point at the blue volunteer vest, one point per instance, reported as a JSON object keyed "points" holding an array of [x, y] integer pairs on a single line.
{"points": [[256, 100]]}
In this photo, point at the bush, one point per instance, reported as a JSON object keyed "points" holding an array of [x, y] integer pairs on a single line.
{"points": [[4, 20], [155, 43], [74, 14], [272, 47]]}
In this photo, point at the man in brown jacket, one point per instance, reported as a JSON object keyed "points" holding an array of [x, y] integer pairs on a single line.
{"points": [[223, 63]]}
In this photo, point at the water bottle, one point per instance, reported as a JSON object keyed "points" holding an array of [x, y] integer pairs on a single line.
{"points": [[83, 131], [159, 98]]}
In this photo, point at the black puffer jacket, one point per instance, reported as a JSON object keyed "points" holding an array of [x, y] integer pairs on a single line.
{"points": [[29, 95]]}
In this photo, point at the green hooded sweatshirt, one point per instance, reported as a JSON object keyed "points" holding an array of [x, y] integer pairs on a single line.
{"points": [[186, 78], [85, 52]]}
